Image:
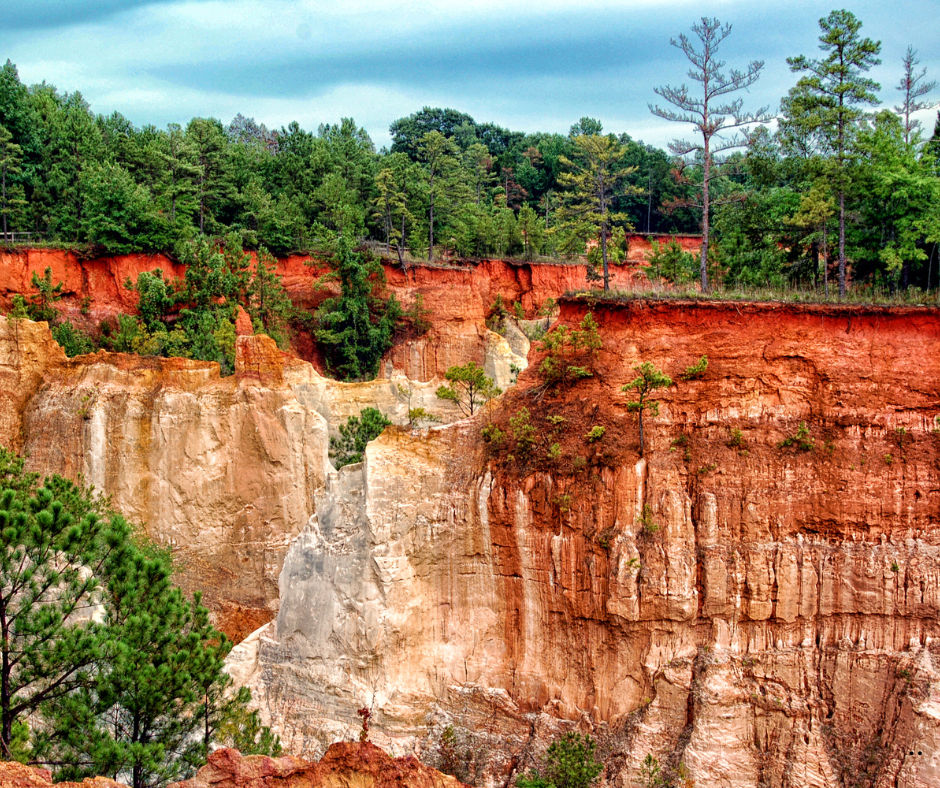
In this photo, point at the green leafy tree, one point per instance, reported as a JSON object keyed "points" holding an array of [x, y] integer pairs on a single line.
{"points": [[709, 112], [595, 171], [469, 388], [355, 328], [54, 542], [648, 381], [825, 103], [118, 213], [349, 446], [569, 762]]}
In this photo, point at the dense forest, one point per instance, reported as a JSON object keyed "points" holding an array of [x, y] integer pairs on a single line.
{"points": [[451, 186]]}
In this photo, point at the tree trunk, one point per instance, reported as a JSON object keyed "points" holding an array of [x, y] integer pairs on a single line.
{"points": [[705, 206], [640, 420], [814, 255], [841, 243]]}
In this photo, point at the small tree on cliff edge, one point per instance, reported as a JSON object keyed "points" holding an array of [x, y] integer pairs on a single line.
{"points": [[708, 112], [649, 379]]}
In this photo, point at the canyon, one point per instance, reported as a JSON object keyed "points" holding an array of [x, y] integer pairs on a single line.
{"points": [[754, 594]]}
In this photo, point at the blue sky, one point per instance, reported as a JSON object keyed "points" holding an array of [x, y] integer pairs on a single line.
{"points": [[529, 66]]}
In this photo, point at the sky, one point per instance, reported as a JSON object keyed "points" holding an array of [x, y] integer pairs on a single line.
{"points": [[525, 65]]}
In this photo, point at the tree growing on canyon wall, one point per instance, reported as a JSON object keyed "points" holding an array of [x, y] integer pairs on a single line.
{"points": [[709, 112], [649, 380], [355, 328], [468, 388]]}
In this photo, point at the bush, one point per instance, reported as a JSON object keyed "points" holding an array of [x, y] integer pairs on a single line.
{"points": [[74, 341], [568, 763], [354, 435], [669, 262]]}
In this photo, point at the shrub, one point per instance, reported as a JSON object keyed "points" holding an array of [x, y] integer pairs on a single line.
{"points": [[695, 370], [568, 763], [350, 446], [800, 439], [74, 341], [596, 433]]}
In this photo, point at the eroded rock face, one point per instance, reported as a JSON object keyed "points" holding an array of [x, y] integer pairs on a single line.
{"points": [[16, 775], [223, 470], [345, 765], [769, 619]]}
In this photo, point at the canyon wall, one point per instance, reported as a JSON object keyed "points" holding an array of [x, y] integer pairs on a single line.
{"points": [[223, 470], [754, 600], [763, 612]]}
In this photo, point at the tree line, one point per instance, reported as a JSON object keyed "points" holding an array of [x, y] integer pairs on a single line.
{"points": [[830, 182]]}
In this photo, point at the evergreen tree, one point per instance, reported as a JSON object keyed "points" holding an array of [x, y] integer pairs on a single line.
{"points": [[355, 328], [596, 170], [11, 203], [54, 543], [825, 102], [709, 112]]}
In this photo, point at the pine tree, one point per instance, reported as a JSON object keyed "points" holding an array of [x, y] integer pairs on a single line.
{"points": [[709, 113], [11, 158], [54, 542], [140, 718], [355, 328], [595, 172], [825, 102]]}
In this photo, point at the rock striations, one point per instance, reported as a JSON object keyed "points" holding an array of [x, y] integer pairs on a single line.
{"points": [[764, 610]]}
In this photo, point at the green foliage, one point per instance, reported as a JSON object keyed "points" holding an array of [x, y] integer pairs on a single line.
{"points": [[350, 446], [42, 305], [649, 380], [267, 300], [74, 341], [651, 773], [230, 723], [595, 433], [669, 262], [650, 526], [570, 353], [696, 370], [355, 328], [596, 168], [522, 431], [569, 762], [493, 434], [469, 388], [418, 415], [800, 439]]}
